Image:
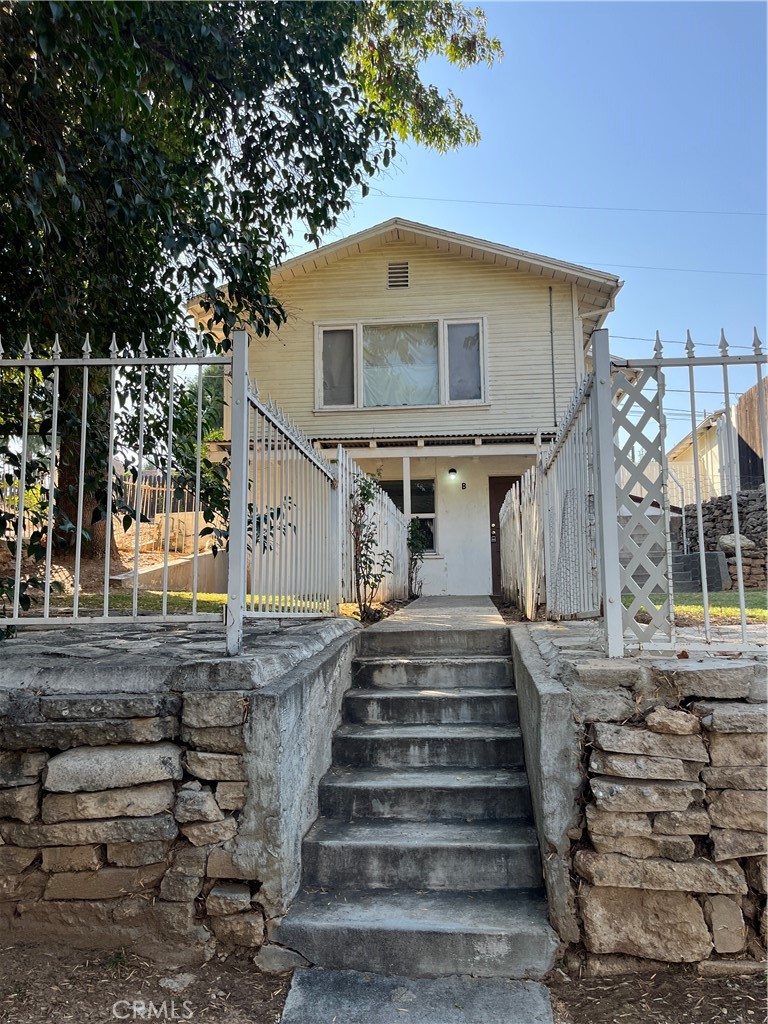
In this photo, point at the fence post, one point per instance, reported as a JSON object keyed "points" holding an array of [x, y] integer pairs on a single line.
{"points": [[238, 494], [336, 553], [608, 529]]}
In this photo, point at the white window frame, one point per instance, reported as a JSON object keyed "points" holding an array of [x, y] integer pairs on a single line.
{"points": [[356, 326]]}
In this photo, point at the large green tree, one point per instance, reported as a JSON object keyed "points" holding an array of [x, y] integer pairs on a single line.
{"points": [[151, 151]]}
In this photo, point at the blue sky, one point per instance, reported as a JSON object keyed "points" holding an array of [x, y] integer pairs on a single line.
{"points": [[643, 105]]}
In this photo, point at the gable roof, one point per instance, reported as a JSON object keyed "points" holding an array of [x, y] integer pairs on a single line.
{"points": [[596, 290]]}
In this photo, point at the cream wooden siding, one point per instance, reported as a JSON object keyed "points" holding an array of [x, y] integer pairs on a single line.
{"points": [[516, 305]]}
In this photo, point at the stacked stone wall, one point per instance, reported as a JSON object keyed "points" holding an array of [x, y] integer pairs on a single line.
{"points": [[717, 518], [668, 851], [166, 823], [117, 816]]}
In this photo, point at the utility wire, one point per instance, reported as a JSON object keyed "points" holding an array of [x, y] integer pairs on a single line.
{"points": [[567, 206]]}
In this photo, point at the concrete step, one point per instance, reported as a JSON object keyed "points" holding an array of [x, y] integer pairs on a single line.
{"points": [[423, 794], [431, 707], [430, 855], [354, 997], [425, 746], [425, 642], [423, 934], [483, 672]]}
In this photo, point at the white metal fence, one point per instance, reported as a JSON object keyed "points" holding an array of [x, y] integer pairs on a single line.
{"points": [[601, 497], [391, 528], [128, 515], [67, 437]]}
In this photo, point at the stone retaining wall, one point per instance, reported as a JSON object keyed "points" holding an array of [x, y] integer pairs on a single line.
{"points": [[164, 822], [667, 847], [717, 520]]}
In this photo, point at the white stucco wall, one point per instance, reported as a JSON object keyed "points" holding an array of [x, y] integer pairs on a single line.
{"points": [[463, 562]]}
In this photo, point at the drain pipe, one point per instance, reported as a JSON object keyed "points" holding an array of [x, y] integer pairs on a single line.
{"points": [[552, 356]]}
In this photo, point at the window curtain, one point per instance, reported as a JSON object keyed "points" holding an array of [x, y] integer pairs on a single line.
{"points": [[400, 364]]}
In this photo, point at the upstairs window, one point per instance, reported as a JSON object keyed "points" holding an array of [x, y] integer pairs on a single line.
{"points": [[400, 365], [420, 363], [339, 366]]}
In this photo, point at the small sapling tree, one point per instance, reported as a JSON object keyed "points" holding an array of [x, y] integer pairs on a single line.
{"points": [[370, 564]]}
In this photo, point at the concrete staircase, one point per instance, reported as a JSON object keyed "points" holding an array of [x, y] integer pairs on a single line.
{"points": [[425, 862]]}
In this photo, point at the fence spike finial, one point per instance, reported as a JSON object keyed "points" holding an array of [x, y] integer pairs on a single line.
{"points": [[723, 346], [143, 347], [199, 345], [757, 345], [113, 347], [56, 347], [87, 346], [658, 349], [690, 348], [27, 350], [1, 346]]}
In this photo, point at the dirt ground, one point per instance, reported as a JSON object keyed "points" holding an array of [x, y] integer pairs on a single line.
{"points": [[40, 985], [676, 998]]}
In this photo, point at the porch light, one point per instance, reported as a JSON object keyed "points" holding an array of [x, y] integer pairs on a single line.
{"points": [[453, 473]]}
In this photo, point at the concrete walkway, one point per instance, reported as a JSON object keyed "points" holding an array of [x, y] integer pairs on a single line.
{"points": [[351, 997], [443, 613]]}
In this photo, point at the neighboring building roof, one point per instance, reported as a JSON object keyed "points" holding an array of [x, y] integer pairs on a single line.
{"points": [[687, 442], [596, 290]]}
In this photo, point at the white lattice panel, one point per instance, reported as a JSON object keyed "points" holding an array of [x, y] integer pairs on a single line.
{"points": [[639, 438]]}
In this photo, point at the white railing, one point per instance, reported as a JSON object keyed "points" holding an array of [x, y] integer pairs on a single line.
{"points": [[70, 506], [391, 527], [602, 492]]}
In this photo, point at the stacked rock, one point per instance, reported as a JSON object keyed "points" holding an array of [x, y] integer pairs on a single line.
{"points": [[678, 823], [118, 816], [717, 519]]}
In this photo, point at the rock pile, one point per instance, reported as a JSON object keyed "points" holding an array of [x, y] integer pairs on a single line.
{"points": [[677, 823]]}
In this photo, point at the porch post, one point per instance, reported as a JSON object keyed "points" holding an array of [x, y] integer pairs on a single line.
{"points": [[607, 520], [238, 494]]}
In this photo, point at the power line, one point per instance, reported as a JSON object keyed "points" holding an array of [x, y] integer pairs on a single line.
{"points": [[676, 270], [567, 206]]}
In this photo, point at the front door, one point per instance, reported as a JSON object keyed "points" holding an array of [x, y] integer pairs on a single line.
{"points": [[497, 492]]}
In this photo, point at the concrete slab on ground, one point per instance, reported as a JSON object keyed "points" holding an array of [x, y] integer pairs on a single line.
{"points": [[437, 613], [351, 997]]}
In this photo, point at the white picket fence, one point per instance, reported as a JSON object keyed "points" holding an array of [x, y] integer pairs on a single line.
{"points": [[599, 497]]}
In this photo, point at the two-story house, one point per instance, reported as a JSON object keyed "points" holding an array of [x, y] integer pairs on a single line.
{"points": [[436, 359]]}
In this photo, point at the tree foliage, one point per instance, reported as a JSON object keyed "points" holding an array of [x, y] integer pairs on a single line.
{"points": [[154, 152]]}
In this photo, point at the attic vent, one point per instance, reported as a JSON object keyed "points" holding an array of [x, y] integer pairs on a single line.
{"points": [[397, 275]]}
